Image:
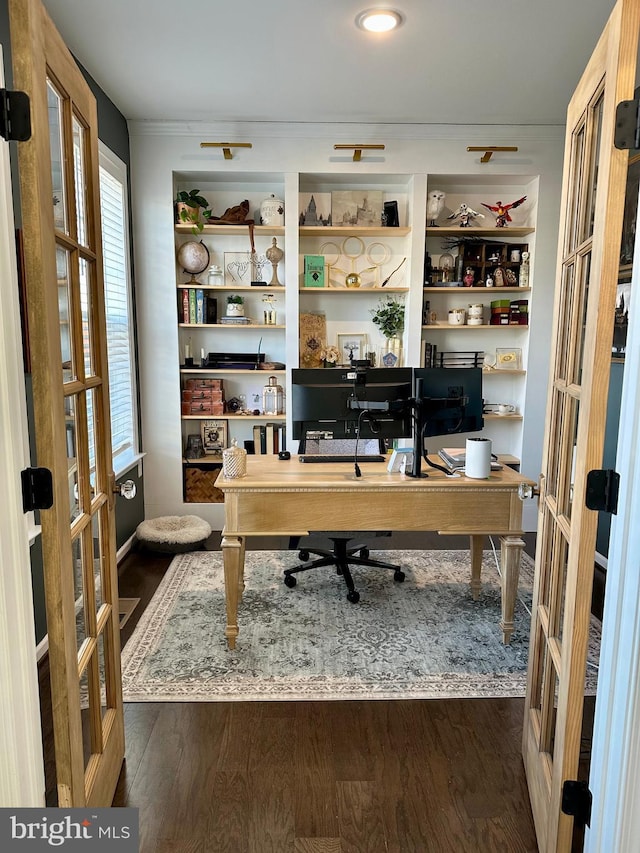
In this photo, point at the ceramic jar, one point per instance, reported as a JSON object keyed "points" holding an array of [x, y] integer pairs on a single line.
{"points": [[272, 211], [216, 276], [457, 317]]}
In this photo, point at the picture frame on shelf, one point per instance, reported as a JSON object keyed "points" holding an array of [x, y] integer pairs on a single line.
{"points": [[356, 208], [314, 209], [508, 358], [214, 437], [241, 269], [352, 346]]}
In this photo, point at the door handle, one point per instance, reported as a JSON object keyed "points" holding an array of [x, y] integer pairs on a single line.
{"points": [[126, 490]]}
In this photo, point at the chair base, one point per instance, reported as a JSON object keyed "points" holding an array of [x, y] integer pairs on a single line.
{"points": [[341, 557]]}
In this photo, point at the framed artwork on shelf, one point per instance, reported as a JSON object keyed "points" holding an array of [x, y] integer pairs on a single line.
{"points": [[241, 268], [315, 209], [508, 358], [214, 437], [356, 207], [352, 346]]}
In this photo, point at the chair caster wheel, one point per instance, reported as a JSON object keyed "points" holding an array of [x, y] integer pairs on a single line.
{"points": [[353, 597], [303, 555], [290, 581], [398, 576], [364, 553]]}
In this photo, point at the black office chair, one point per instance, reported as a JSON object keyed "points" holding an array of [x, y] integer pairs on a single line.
{"points": [[342, 556]]}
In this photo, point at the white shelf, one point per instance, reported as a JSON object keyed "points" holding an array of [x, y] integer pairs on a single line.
{"points": [[379, 291], [230, 326], [466, 328], [489, 290], [499, 234], [230, 417], [352, 231], [268, 288], [211, 371], [232, 230]]}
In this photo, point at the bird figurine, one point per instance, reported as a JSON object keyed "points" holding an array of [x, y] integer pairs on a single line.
{"points": [[502, 210], [465, 214], [435, 206]]}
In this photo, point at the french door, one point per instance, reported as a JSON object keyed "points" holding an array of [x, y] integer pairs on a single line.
{"points": [[59, 189], [588, 259]]}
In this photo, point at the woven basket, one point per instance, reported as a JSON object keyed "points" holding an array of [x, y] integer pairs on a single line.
{"points": [[199, 485]]}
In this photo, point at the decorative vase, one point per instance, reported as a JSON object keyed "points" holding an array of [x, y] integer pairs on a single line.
{"points": [[274, 255], [391, 352], [235, 309]]}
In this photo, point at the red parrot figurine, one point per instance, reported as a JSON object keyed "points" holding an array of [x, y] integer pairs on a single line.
{"points": [[502, 210]]}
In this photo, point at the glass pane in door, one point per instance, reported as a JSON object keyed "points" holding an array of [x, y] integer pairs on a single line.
{"points": [[583, 289], [64, 310], [59, 200], [595, 130], [71, 432], [86, 307], [573, 203], [79, 173]]}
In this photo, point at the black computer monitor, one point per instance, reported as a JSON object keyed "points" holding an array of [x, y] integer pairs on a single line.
{"points": [[448, 400], [351, 402]]}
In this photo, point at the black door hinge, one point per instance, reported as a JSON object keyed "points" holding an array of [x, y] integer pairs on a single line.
{"points": [[576, 801], [37, 489], [627, 131], [15, 116], [602, 490]]}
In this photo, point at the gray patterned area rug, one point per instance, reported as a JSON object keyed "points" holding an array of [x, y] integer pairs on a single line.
{"points": [[424, 638]]}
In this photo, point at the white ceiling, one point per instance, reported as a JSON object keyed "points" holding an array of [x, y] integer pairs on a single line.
{"points": [[452, 62]]}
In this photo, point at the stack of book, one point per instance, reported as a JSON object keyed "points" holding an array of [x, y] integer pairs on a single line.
{"points": [[235, 321]]}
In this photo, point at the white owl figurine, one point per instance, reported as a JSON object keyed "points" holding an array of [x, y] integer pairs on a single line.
{"points": [[435, 206]]}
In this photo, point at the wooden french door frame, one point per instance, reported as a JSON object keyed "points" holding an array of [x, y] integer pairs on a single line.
{"points": [[588, 258], [59, 194]]}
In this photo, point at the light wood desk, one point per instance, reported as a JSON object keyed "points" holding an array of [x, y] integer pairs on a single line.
{"points": [[292, 498]]}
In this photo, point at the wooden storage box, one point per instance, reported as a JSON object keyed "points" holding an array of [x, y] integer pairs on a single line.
{"points": [[213, 384], [199, 484]]}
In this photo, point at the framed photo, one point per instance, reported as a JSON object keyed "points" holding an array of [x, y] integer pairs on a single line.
{"points": [[214, 437], [508, 358], [240, 268], [356, 207], [352, 346], [315, 209]]}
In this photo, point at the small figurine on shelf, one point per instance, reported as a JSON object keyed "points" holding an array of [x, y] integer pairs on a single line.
{"points": [[524, 270], [502, 210], [469, 277], [435, 206], [465, 214]]}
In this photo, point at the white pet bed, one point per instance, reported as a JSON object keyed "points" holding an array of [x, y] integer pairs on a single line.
{"points": [[173, 534]]}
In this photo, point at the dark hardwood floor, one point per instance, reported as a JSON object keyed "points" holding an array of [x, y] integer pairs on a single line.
{"points": [[321, 777]]}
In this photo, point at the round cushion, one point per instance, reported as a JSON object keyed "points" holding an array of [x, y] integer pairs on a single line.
{"points": [[173, 534]]}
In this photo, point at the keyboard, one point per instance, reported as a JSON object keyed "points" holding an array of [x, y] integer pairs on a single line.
{"points": [[326, 457]]}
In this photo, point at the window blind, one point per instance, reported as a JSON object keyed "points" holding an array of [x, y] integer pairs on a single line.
{"points": [[113, 207]]}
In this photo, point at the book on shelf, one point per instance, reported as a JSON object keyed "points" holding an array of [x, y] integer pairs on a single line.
{"points": [[314, 270], [199, 305], [184, 305], [260, 439], [429, 355], [192, 305]]}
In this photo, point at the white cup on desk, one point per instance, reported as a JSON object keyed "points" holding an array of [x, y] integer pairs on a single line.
{"points": [[505, 409]]}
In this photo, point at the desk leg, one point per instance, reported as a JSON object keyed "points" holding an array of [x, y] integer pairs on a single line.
{"points": [[233, 561], [476, 546], [510, 551]]}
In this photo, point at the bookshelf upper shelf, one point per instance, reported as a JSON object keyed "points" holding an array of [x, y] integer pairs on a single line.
{"points": [[498, 233]]}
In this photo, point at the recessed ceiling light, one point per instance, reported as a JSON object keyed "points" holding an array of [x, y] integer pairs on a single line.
{"points": [[379, 20]]}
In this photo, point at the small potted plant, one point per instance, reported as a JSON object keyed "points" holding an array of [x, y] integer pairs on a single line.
{"points": [[192, 208], [235, 305], [388, 316]]}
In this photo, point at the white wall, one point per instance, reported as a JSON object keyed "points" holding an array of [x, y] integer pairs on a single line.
{"points": [[158, 149]]}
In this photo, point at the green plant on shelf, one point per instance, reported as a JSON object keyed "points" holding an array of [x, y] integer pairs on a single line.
{"points": [[192, 208], [235, 299], [388, 316]]}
